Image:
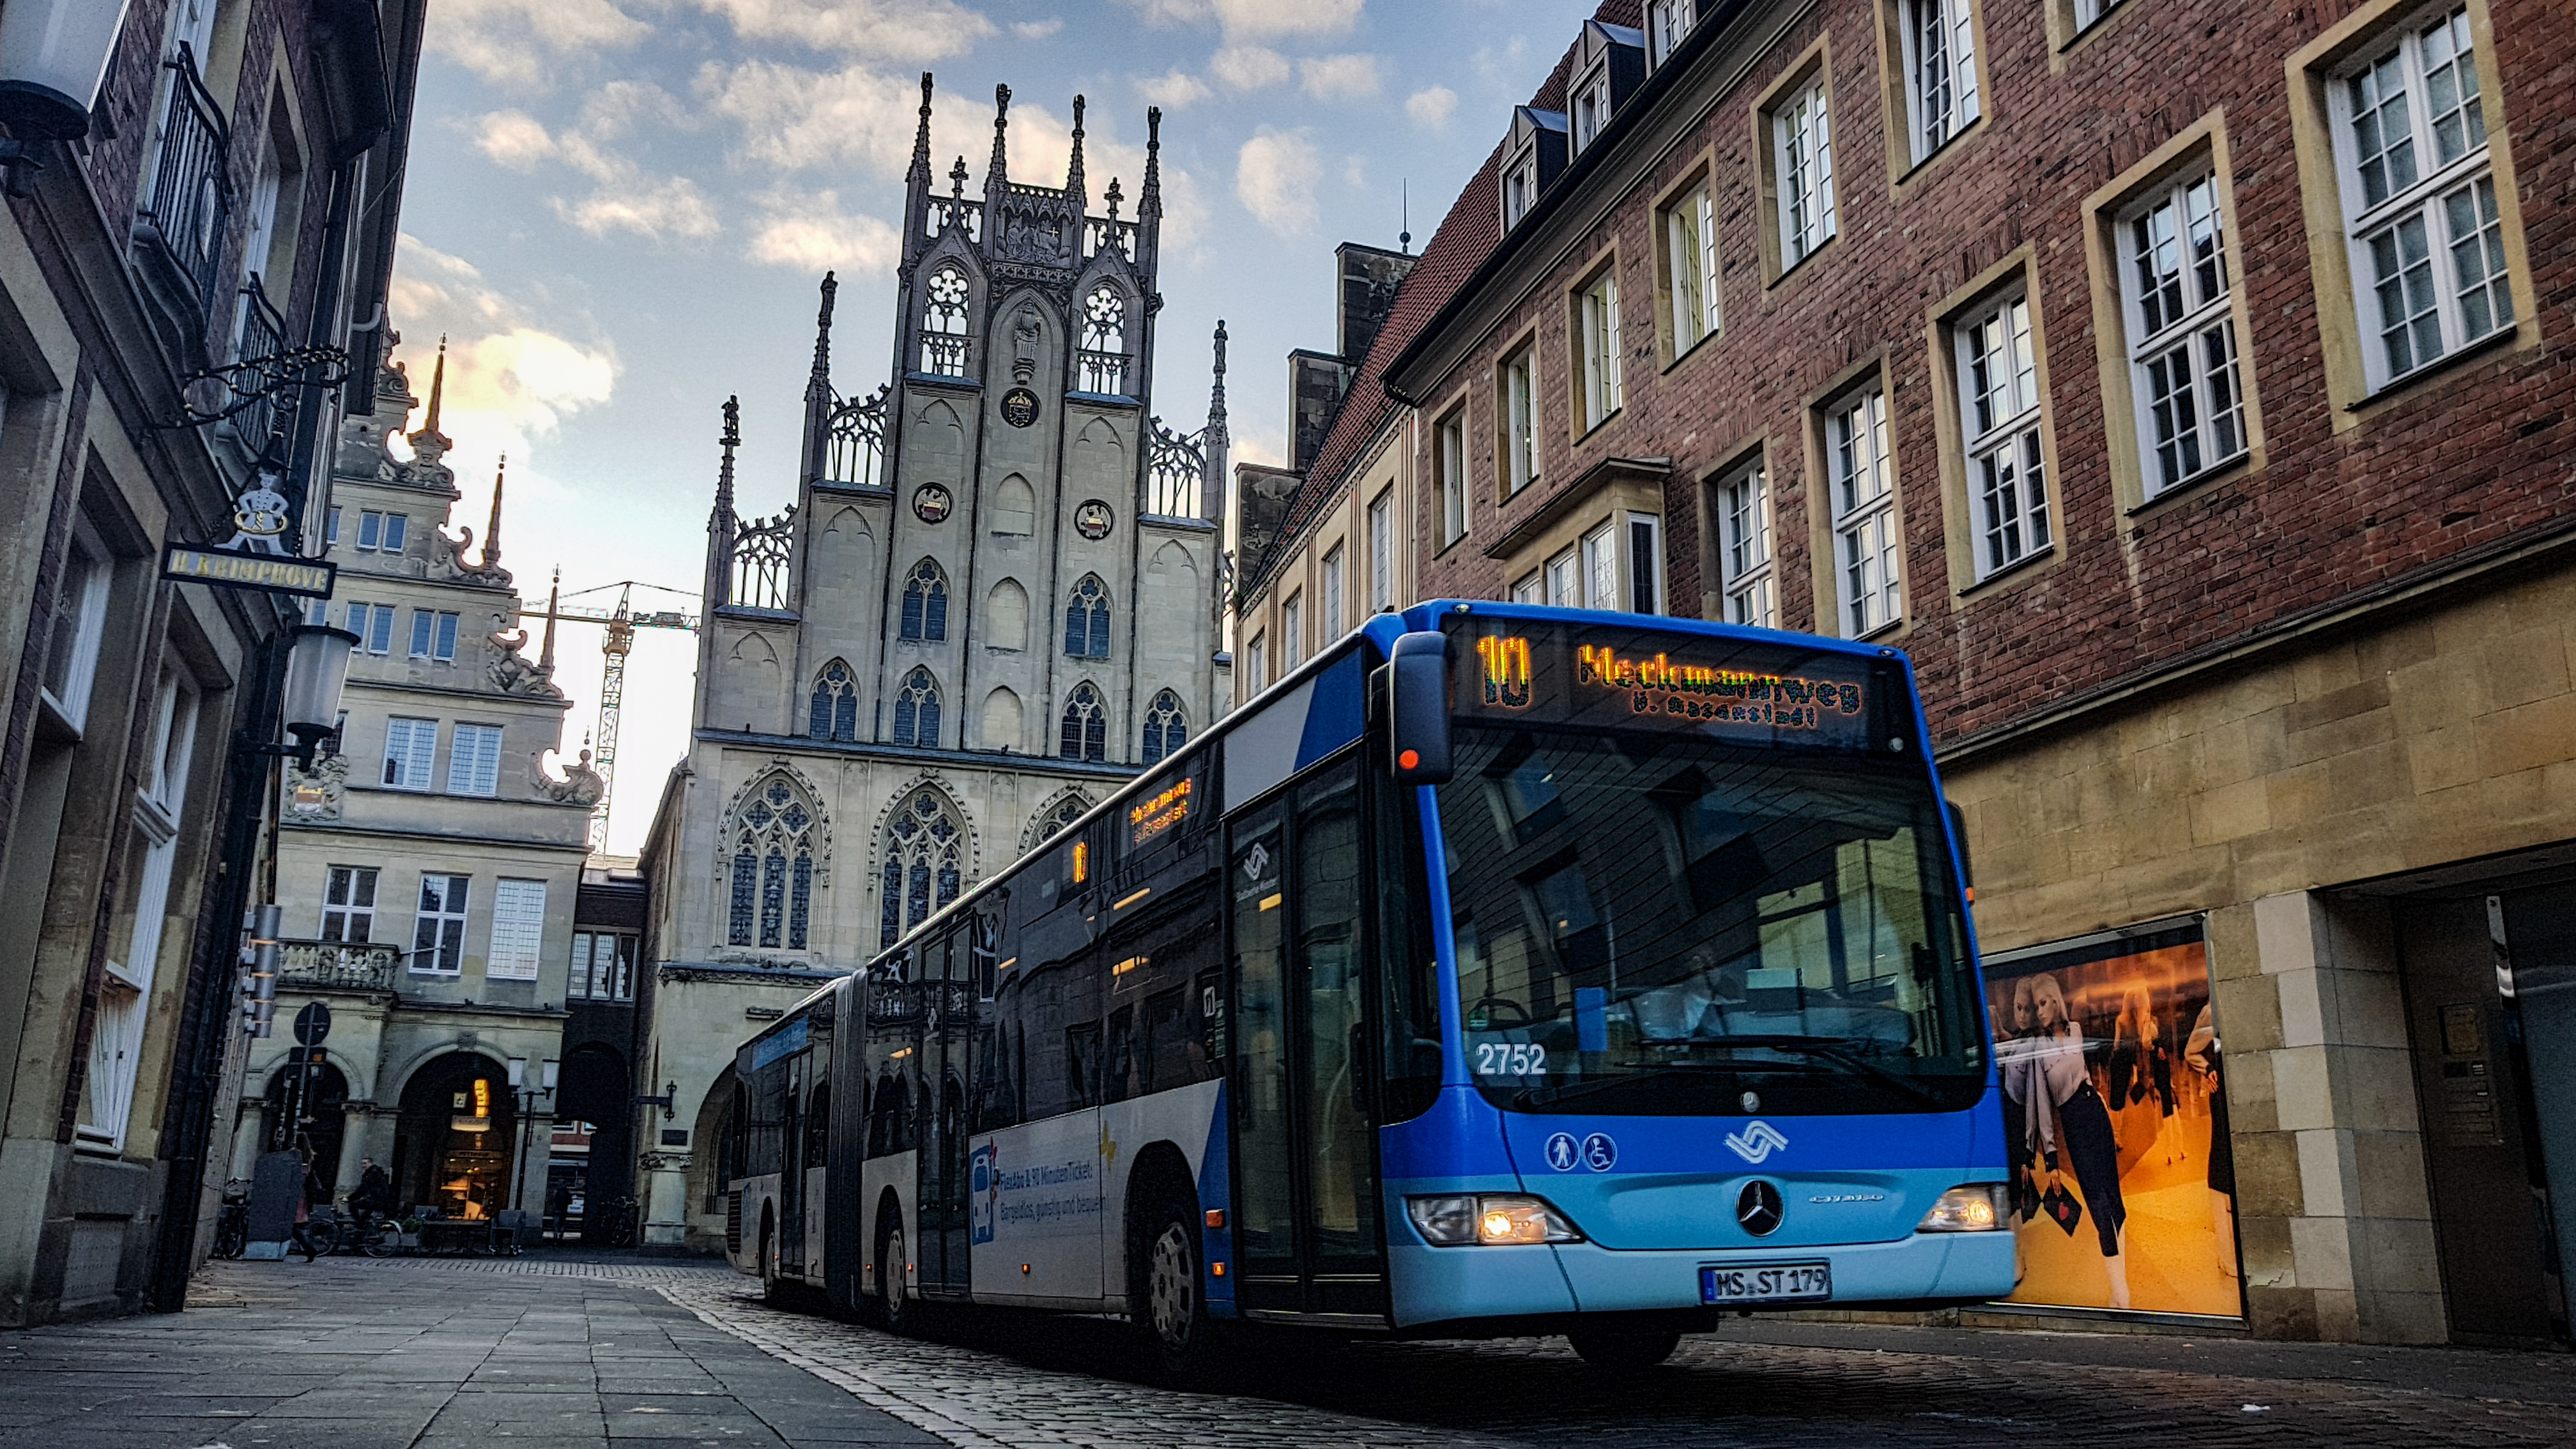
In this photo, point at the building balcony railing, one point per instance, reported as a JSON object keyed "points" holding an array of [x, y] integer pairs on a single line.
{"points": [[1101, 372], [262, 334], [338, 965], [191, 194]]}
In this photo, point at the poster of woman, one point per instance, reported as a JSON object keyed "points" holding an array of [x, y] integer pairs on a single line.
{"points": [[2116, 1124]]}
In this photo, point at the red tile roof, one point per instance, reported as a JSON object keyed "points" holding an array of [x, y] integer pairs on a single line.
{"points": [[1467, 235]]}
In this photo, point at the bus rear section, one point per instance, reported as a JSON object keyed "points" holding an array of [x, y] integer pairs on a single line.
{"points": [[777, 1151], [1712, 1034]]}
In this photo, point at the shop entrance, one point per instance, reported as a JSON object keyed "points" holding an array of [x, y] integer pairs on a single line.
{"points": [[304, 1112], [453, 1147], [2490, 978]]}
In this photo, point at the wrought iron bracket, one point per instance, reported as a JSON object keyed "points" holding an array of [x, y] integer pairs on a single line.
{"points": [[239, 386]]}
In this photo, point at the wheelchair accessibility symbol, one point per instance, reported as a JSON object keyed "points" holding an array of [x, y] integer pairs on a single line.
{"points": [[1561, 1152], [1599, 1152]]}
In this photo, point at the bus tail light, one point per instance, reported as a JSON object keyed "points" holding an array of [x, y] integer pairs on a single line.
{"points": [[1979, 1207], [1490, 1220]]}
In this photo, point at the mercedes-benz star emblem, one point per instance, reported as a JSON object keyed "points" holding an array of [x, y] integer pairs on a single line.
{"points": [[1758, 1208]]}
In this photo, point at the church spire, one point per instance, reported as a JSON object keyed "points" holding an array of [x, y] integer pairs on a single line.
{"points": [[997, 175], [428, 443], [919, 175], [1219, 443], [731, 439], [818, 384], [1073, 170], [492, 531], [718, 588], [1216, 391], [554, 604], [1149, 201]]}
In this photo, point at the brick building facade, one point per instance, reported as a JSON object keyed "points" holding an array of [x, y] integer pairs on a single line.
{"points": [[2184, 388]]}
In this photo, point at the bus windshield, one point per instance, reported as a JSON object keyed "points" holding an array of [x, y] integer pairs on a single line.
{"points": [[1666, 923]]}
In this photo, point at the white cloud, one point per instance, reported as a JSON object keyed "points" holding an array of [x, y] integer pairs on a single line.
{"points": [[1173, 90], [627, 198], [655, 208], [511, 42], [1339, 77], [1249, 67], [797, 119], [511, 380], [513, 139], [902, 30], [809, 232], [1274, 177], [1432, 106], [1257, 18], [1036, 29]]}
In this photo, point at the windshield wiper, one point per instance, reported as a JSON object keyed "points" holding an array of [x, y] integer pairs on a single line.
{"points": [[1540, 1096], [1839, 1051]]}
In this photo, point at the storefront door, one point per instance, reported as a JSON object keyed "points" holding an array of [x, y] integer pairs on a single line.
{"points": [[2491, 1008]]}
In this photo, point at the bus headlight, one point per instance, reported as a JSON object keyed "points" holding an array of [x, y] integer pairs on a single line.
{"points": [[1489, 1219], [1979, 1207]]}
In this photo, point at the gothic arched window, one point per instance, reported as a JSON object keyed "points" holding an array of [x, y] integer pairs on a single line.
{"points": [[1166, 727], [943, 322], [1054, 818], [916, 711], [925, 602], [1086, 727], [1104, 341], [1086, 620], [774, 838], [836, 704], [923, 859]]}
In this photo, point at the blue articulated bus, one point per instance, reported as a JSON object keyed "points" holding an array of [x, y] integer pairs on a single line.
{"points": [[1502, 970]]}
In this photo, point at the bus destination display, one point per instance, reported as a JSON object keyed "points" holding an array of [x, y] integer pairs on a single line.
{"points": [[1632, 679]]}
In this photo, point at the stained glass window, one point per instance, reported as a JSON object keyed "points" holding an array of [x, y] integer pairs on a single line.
{"points": [[890, 892], [775, 839], [835, 713], [1086, 620], [800, 903], [916, 711], [925, 603], [1054, 818], [746, 873], [1086, 727], [1166, 727], [924, 864], [773, 898]]}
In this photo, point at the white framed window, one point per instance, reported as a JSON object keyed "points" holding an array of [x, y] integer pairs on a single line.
{"points": [[1449, 465], [2419, 195], [349, 904], [2182, 333], [1744, 548], [438, 926], [433, 635], [2089, 11], [1597, 324], [1802, 160], [1257, 662], [1520, 420], [603, 966], [1869, 545], [1690, 260], [1530, 588], [1591, 109], [1520, 187], [410, 747], [1565, 581], [1292, 632], [1668, 24], [1940, 71], [378, 532], [1601, 568], [142, 919], [2000, 418], [1332, 586], [474, 760], [374, 626], [1645, 563], [79, 628], [1381, 527], [518, 930]]}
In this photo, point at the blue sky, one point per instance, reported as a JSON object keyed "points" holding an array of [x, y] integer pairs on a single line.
{"points": [[619, 211]]}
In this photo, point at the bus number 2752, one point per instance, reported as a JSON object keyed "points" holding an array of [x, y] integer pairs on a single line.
{"points": [[1510, 1059]]}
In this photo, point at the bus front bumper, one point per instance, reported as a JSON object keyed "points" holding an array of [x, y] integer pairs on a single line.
{"points": [[1521, 1283]]}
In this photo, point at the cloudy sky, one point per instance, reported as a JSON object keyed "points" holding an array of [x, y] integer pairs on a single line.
{"points": [[618, 212]]}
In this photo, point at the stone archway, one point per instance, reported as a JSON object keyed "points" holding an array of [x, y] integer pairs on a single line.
{"points": [[597, 1090], [455, 1138], [711, 1158], [303, 1111]]}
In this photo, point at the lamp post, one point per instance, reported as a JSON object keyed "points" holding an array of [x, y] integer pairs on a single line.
{"points": [[527, 1093], [53, 57]]}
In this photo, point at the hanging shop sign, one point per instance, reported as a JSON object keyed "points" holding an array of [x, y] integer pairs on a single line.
{"points": [[243, 569]]}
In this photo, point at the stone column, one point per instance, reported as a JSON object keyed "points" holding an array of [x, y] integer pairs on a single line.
{"points": [[2331, 1201]]}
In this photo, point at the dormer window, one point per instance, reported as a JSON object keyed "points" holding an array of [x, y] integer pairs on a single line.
{"points": [[1536, 152], [1613, 62], [1591, 108], [1668, 24]]}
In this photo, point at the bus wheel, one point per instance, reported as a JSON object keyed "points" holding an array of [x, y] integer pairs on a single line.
{"points": [[1624, 1350], [1174, 1312], [902, 1310]]}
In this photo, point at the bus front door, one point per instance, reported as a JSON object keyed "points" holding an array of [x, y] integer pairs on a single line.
{"points": [[1306, 1214], [948, 1002]]}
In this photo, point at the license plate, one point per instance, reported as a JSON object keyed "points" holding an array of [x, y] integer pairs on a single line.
{"points": [[1766, 1283]]}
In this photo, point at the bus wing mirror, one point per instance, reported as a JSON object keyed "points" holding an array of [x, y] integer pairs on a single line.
{"points": [[1417, 698], [1959, 833]]}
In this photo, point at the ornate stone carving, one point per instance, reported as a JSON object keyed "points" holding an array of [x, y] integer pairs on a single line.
{"points": [[313, 796], [581, 785], [512, 674], [447, 560]]}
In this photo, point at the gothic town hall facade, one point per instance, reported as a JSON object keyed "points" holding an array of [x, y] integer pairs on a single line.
{"points": [[995, 597]]}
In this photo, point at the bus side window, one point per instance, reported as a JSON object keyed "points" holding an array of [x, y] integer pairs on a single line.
{"points": [[1117, 1082], [818, 1125], [1212, 1043], [1082, 1065], [1165, 1061]]}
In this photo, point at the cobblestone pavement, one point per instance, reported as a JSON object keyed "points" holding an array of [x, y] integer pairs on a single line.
{"points": [[440, 1354]]}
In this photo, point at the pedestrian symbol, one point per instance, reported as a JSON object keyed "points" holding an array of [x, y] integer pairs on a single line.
{"points": [[1599, 1152], [1561, 1152]]}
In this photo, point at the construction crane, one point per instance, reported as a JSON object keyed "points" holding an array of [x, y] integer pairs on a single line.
{"points": [[621, 622]]}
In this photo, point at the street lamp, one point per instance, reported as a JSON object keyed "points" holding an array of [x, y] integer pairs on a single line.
{"points": [[53, 57], [527, 1094], [317, 667]]}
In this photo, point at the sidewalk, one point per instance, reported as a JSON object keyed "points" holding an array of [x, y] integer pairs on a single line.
{"points": [[354, 1354]]}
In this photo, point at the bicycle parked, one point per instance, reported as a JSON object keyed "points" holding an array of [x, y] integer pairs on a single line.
{"points": [[232, 1221]]}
